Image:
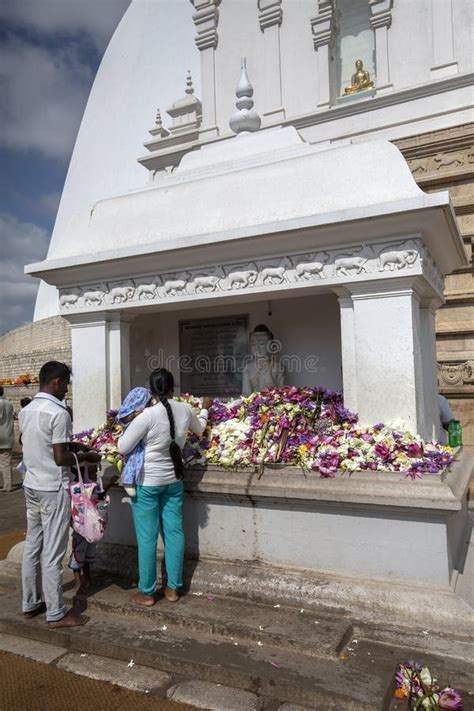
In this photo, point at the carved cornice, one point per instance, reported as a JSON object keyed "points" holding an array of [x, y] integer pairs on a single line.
{"points": [[455, 374], [328, 268], [270, 13], [440, 141], [206, 19], [442, 166], [323, 25], [380, 13]]}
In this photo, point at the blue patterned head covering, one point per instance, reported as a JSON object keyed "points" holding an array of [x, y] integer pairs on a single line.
{"points": [[137, 399]]}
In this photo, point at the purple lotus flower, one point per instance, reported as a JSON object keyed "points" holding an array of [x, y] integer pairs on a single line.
{"points": [[82, 435], [415, 450], [450, 699], [383, 452], [327, 463]]}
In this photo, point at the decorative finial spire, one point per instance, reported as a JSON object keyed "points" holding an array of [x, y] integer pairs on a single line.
{"points": [[245, 119], [158, 121], [189, 84]]}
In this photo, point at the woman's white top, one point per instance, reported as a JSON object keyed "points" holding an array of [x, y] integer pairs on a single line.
{"points": [[153, 428]]}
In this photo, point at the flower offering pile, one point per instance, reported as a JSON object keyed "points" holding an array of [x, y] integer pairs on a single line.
{"points": [[298, 426], [307, 427], [104, 440], [415, 684]]}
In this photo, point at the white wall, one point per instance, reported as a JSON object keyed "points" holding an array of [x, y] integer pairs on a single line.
{"points": [[410, 46], [306, 326]]}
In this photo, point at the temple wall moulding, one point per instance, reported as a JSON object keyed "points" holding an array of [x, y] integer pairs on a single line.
{"points": [[270, 13], [380, 13], [452, 139], [443, 164], [324, 23], [327, 268], [455, 374], [206, 18]]}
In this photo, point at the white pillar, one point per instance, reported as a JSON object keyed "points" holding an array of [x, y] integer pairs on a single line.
{"points": [[444, 63], [100, 366], [430, 380], [349, 366], [387, 346], [270, 19], [206, 19], [323, 38], [119, 359], [381, 19]]}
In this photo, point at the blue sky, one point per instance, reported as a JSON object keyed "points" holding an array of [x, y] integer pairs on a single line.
{"points": [[49, 53]]}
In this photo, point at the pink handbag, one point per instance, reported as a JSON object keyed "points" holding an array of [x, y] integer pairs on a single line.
{"points": [[88, 511]]}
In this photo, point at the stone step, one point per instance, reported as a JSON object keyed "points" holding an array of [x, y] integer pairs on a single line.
{"points": [[272, 673], [314, 632], [355, 680], [309, 632]]}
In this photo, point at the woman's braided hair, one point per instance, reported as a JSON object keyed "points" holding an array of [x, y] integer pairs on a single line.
{"points": [[162, 382]]}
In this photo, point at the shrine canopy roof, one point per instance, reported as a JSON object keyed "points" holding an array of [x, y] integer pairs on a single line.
{"points": [[256, 193]]}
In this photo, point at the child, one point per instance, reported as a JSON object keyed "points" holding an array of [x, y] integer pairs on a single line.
{"points": [[135, 402], [83, 552]]}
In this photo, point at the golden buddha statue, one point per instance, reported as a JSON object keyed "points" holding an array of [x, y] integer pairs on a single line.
{"points": [[360, 81]]}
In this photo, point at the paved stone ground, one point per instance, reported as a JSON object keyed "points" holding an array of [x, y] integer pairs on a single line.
{"points": [[28, 684]]}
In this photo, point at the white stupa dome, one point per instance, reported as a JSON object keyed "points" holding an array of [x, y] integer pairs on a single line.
{"points": [[143, 68]]}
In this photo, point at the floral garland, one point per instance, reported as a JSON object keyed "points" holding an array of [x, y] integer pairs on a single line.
{"points": [[104, 439], [23, 379], [415, 683], [299, 426]]}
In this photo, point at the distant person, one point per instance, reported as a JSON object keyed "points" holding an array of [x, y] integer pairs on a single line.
{"points": [[445, 415], [25, 401], [158, 504], [45, 427], [6, 441]]}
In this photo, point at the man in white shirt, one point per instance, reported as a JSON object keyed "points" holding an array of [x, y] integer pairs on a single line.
{"points": [[46, 429]]}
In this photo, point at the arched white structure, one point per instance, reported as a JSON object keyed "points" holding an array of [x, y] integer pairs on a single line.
{"points": [[140, 71]]}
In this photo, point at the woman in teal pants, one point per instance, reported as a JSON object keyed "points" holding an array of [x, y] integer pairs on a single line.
{"points": [[158, 504]]}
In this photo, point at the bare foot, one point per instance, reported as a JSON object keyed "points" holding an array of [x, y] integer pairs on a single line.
{"points": [[139, 598], [34, 613], [171, 595], [70, 619]]}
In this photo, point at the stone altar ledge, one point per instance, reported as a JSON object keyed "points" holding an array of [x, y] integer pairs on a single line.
{"points": [[374, 525], [436, 492]]}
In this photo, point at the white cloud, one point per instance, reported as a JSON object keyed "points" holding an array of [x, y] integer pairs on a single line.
{"points": [[44, 94], [21, 243], [96, 19]]}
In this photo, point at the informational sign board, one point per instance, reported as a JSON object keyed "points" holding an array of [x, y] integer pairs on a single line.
{"points": [[212, 353]]}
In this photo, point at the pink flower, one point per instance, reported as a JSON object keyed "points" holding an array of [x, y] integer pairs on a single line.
{"points": [[450, 699], [415, 450], [383, 451]]}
